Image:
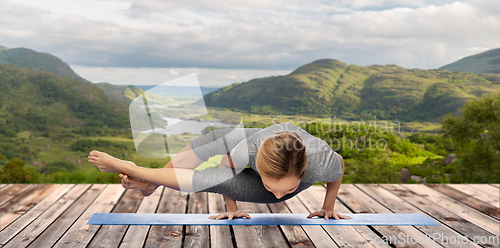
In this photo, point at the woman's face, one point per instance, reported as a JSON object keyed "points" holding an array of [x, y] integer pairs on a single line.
{"points": [[281, 187]]}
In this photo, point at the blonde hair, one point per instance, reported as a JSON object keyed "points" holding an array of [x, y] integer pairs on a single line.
{"points": [[282, 154]]}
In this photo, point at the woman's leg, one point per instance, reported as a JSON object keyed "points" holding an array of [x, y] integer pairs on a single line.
{"points": [[244, 186], [175, 178]]}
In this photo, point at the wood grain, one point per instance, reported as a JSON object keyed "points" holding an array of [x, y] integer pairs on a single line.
{"points": [[467, 200], [111, 235], [23, 202], [254, 235], [52, 234], [443, 215], [220, 236], [168, 236], [295, 235], [344, 236], [136, 234], [56, 215], [494, 191], [398, 205], [11, 190], [16, 226], [476, 194], [80, 233], [454, 206], [31, 232], [197, 235], [359, 202]]}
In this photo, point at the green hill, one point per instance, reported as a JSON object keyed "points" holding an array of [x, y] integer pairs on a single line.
{"points": [[330, 87], [125, 94], [39, 101], [40, 61], [485, 62]]}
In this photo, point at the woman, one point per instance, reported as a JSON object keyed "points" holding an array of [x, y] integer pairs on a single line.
{"points": [[259, 165]]}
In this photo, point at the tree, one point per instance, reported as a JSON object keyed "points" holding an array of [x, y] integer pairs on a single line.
{"points": [[476, 134], [14, 172]]}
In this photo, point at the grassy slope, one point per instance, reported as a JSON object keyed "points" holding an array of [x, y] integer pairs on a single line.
{"points": [[125, 94], [40, 101], [40, 61], [330, 87], [485, 62]]}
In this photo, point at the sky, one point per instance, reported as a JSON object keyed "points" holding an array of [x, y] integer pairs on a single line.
{"points": [[145, 42]]}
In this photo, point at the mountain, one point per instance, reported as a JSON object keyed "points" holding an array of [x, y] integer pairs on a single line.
{"points": [[170, 90], [40, 61], [329, 87], [485, 62], [164, 93], [40, 101], [125, 94]]}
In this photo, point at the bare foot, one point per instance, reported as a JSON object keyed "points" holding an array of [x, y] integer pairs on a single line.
{"points": [[146, 188], [106, 162]]}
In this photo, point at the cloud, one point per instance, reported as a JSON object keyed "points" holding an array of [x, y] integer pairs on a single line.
{"points": [[155, 76], [144, 7], [260, 35]]}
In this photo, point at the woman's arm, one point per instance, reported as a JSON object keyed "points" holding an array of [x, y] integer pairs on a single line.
{"points": [[232, 211], [332, 188], [231, 206]]}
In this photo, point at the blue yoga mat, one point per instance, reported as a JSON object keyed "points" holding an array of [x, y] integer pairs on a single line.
{"points": [[258, 219]]}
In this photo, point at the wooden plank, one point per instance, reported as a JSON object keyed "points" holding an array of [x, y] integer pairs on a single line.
{"points": [[80, 233], [344, 236], [23, 202], [254, 235], [31, 232], [486, 222], [495, 185], [136, 234], [11, 191], [168, 236], [295, 235], [111, 235], [52, 234], [16, 226], [477, 194], [398, 205], [197, 235], [359, 202], [443, 215], [467, 200], [487, 189], [2, 186], [220, 236]]}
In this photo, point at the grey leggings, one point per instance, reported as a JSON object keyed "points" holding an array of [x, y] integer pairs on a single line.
{"points": [[245, 186]]}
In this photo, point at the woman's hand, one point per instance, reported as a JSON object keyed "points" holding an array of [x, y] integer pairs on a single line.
{"points": [[230, 215], [327, 214]]}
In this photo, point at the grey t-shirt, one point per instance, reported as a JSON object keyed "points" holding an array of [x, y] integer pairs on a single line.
{"points": [[323, 164]]}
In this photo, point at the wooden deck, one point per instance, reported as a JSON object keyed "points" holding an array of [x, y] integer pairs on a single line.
{"points": [[55, 215]]}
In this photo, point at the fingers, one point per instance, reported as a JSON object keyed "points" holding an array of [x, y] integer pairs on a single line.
{"points": [[335, 216], [216, 217], [312, 215], [328, 214], [344, 216], [221, 216], [230, 216]]}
